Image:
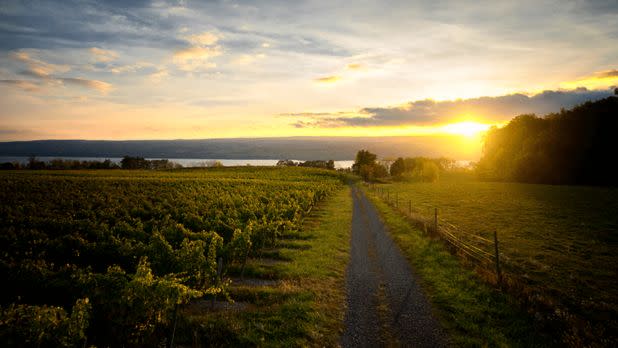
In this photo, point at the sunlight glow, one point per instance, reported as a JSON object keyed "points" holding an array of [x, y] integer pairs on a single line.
{"points": [[468, 128]]}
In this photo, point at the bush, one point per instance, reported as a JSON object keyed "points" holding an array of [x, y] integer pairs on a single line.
{"points": [[44, 326]]}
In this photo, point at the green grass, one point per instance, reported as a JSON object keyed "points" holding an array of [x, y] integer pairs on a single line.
{"points": [[560, 242], [474, 313], [307, 305]]}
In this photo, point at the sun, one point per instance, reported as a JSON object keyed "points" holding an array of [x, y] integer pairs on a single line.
{"points": [[468, 129]]}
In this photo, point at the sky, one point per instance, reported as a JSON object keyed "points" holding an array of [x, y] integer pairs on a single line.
{"points": [[218, 69]]}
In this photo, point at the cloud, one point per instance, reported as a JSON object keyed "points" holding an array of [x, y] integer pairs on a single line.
{"points": [[328, 79], [355, 66], [598, 80], [196, 58], [36, 67], [45, 75], [97, 85], [159, 75], [607, 74], [246, 59], [307, 114], [120, 69], [482, 109], [24, 85], [103, 56], [203, 39]]}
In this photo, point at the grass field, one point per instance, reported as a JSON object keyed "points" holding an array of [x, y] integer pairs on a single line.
{"points": [[474, 313], [560, 240]]}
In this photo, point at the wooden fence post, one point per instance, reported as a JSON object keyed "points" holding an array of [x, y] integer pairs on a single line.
{"points": [[218, 279], [497, 257], [171, 343]]}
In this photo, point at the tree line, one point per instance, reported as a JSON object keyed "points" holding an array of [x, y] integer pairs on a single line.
{"points": [[127, 162], [330, 164], [367, 166], [130, 162], [569, 147]]}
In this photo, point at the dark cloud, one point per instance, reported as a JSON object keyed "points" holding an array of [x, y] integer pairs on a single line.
{"points": [[608, 73], [76, 24], [598, 7], [24, 85], [487, 109]]}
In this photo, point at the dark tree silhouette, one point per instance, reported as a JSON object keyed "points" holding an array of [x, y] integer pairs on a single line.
{"points": [[398, 167], [570, 147], [366, 166]]}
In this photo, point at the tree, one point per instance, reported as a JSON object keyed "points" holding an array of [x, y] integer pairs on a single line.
{"points": [[366, 166], [363, 157], [570, 147], [129, 162], [398, 167], [286, 163]]}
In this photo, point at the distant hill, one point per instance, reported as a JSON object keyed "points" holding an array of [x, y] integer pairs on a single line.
{"points": [[299, 148], [576, 146]]}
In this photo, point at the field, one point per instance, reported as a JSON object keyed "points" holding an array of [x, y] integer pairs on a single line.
{"points": [[560, 241], [118, 257]]}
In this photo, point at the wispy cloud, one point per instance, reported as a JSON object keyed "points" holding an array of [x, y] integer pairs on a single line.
{"points": [[428, 112], [103, 56], [129, 68], [203, 39], [47, 75], [607, 74], [27, 86], [97, 85], [355, 66], [198, 57], [600, 79], [36, 67], [159, 75], [247, 59], [328, 79]]}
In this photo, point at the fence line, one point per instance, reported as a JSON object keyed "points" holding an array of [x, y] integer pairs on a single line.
{"points": [[450, 233]]}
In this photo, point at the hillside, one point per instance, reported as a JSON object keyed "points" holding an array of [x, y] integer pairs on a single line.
{"points": [[300, 148]]}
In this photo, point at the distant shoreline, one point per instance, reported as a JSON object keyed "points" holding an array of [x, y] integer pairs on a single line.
{"points": [[185, 162]]}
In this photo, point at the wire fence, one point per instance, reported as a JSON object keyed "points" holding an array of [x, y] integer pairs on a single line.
{"points": [[475, 248], [484, 253]]}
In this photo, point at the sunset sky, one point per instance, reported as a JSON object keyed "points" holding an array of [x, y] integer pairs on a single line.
{"points": [[216, 69]]}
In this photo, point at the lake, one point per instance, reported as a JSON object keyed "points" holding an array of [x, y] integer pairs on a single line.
{"points": [[185, 162]]}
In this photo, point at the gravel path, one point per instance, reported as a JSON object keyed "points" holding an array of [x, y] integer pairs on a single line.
{"points": [[386, 306]]}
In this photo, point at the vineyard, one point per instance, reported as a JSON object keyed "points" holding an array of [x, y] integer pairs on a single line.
{"points": [[106, 257], [557, 243]]}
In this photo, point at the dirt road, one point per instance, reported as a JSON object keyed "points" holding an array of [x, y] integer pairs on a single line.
{"points": [[386, 306]]}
